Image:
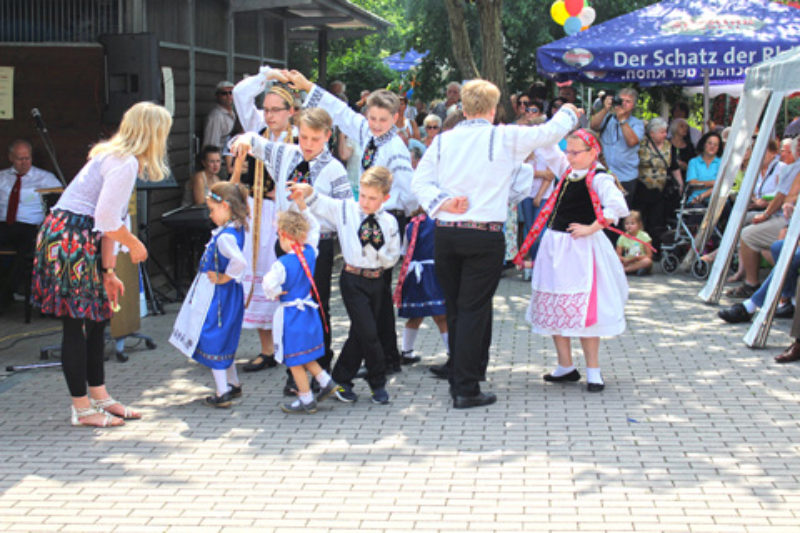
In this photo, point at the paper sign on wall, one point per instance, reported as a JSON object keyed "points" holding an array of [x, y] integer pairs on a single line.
{"points": [[6, 93]]}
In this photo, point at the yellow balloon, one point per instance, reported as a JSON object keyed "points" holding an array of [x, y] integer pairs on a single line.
{"points": [[559, 12]]}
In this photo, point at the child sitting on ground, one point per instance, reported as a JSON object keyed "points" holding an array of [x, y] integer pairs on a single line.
{"points": [[635, 256]]}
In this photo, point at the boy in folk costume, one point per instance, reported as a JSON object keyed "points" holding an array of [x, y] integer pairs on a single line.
{"points": [[466, 180], [312, 163], [272, 123], [579, 286], [370, 244], [377, 137]]}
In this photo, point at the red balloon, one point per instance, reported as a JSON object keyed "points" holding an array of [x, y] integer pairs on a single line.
{"points": [[573, 7]]}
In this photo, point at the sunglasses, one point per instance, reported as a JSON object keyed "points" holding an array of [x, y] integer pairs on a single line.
{"points": [[225, 93], [532, 109], [525, 102], [431, 127]]}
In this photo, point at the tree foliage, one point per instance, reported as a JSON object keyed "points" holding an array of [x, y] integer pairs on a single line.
{"points": [[424, 25]]}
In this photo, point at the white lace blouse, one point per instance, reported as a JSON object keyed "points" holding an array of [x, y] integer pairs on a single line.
{"points": [[102, 190]]}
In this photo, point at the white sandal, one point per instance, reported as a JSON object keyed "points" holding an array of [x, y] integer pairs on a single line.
{"points": [[83, 412], [104, 404]]}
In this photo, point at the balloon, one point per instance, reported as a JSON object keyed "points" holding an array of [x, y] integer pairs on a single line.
{"points": [[587, 16], [559, 12], [572, 25], [573, 7]]}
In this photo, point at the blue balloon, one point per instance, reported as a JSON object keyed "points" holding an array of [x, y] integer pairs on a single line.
{"points": [[572, 25]]}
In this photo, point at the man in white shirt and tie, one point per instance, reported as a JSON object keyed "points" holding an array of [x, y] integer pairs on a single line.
{"points": [[21, 210], [466, 180]]}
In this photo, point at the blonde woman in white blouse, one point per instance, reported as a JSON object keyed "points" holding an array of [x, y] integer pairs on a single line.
{"points": [[74, 275]]}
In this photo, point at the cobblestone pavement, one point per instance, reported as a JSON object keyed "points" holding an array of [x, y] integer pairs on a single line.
{"points": [[694, 432]]}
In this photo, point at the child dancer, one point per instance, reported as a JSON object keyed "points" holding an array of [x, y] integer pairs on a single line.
{"points": [[418, 293], [380, 146], [298, 327], [210, 321], [579, 287], [370, 244], [635, 256]]}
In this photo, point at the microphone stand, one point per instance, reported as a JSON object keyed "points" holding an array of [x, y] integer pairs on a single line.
{"points": [[48, 143]]}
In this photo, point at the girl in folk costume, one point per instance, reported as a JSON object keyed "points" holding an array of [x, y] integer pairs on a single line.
{"points": [[299, 340], [418, 293], [73, 269], [273, 123], [210, 321], [579, 287]]}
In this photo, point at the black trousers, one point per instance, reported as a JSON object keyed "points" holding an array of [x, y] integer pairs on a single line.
{"points": [[82, 346], [387, 325], [469, 264], [363, 299]]}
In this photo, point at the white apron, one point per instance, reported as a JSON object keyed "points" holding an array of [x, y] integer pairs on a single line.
{"points": [[192, 316]]}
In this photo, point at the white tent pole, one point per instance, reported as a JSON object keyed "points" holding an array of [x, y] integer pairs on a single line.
{"points": [[705, 100]]}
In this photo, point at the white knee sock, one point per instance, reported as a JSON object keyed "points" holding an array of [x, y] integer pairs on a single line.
{"points": [[593, 375], [409, 337], [231, 375], [562, 370], [445, 340], [221, 379], [323, 378]]}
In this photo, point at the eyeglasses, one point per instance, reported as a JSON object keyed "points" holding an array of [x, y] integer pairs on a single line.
{"points": [[225, 93], [274, 110], [576, 152], [431, 127]]}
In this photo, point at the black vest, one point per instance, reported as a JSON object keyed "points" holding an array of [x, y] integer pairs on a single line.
{"points": [[573, 205]]}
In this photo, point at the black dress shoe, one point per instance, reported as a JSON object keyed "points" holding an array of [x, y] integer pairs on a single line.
{"points": [[260, 362], [595, 387], [571, 376], [482, 398], [440, 371], [784, 310], [735, 314]]}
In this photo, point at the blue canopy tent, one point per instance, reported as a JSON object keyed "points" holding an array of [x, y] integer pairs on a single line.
{"points": [[401, 62], [675, 42]]}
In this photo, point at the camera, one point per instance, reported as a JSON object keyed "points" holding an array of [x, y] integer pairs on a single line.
{"points": [[616, 100]]}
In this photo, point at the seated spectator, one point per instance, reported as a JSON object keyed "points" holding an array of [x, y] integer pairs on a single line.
{"points": [[432, 126], [703, 169], [765, 228], [636, 257], [210, 162], [743, 312], [21, 211]]}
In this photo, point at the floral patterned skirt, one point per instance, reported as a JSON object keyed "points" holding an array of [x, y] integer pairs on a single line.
{"points": [[66, 268]]}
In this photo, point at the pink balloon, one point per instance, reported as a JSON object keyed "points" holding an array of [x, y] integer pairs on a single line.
{"points": [[573, 7]]}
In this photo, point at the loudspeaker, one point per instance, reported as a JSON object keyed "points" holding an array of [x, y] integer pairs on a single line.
{"points": [[132, 72]]}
